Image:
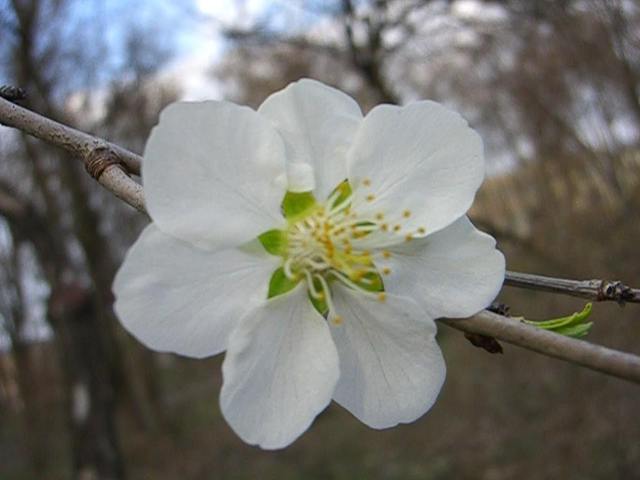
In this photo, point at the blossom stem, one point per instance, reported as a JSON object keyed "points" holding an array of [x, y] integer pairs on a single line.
{"points": [[595, 357]]}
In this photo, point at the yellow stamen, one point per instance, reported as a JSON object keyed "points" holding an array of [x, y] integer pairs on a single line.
{"points": [[382, 296], [406, 213]]}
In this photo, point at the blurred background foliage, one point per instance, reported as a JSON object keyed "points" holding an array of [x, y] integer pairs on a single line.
{"points": [[552, 86]]}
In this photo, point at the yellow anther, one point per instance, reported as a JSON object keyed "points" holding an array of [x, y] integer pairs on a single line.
{"points": [[379, 216], [386, 254], [384, 227], [422, 231], [382, 296], [386, 270], [366, 182], [396, 228], [406, 213], [370, 198], [337, 320], [408, 238]]}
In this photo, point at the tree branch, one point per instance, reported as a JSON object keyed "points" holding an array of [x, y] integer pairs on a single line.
{"points": [[612, 362], [83, 145], [595, 357], [594, 290]]}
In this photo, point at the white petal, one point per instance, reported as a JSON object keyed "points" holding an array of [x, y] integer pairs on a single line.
{"points": [[177, 298], [279, 372], [422, 158], [391, 366], [209, 173], [318, 124], [455, 272]]}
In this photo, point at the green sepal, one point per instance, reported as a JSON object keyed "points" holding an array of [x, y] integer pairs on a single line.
{"points": [[574, 325], [274, 241], [373, 282], [280, 283], [297, 205], [320, 305]]}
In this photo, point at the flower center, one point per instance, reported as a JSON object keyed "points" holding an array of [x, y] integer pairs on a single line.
{"points": [[320, 248], [327, 243]]}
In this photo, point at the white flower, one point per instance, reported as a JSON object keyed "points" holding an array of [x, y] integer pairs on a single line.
{"points": [[363, 242]]}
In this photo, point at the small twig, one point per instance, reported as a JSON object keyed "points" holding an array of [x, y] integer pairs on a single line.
{"points": [[72, 140], [97, 154], [594, 290], [612, 362], [487, 343]]}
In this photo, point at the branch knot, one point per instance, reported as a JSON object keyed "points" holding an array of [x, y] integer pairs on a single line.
{"points": [[101, 158], [11, 93], [616, 291]]}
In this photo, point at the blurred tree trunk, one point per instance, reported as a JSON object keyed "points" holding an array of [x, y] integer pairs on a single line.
{"points": [[91, 398], [368, 59], [102, 268], [79, 335], [104, 350], [29, 394]]}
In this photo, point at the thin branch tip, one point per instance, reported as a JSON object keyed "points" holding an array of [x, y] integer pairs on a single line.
{"points": [[580, 352], [594, 290]]}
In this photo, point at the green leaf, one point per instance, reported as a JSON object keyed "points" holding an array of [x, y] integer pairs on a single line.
{"points": [[297, 205], [574, 325], [280, 283], [575, 331], [274, 241]]}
